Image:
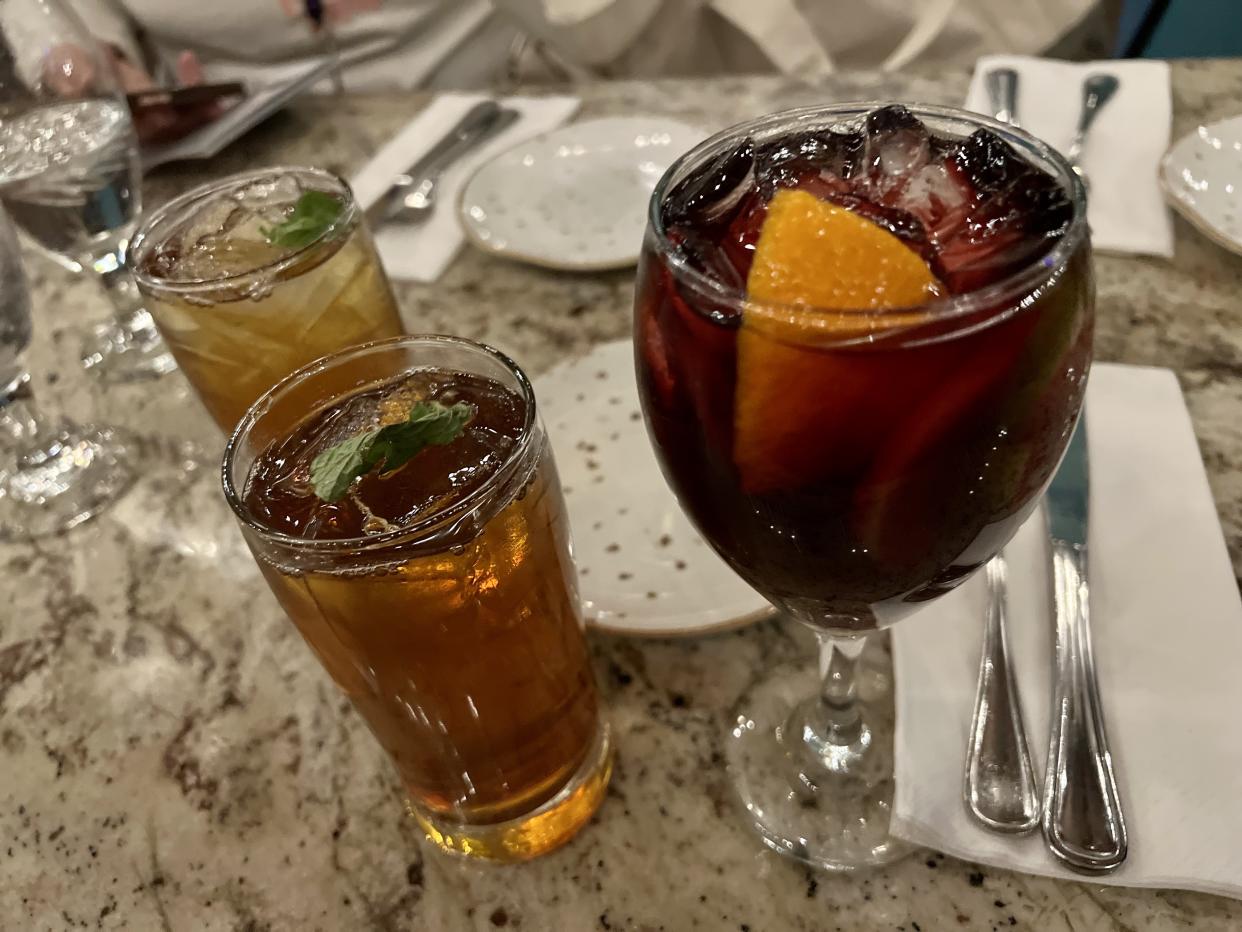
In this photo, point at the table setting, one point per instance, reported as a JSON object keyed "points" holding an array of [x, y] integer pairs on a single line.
{"points": [[179, 757]]}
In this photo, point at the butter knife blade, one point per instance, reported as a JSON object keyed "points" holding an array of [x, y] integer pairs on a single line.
{"points": [[1083, 822]]}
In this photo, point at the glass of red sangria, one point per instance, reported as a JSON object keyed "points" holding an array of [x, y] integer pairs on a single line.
{"points": [[862, 338]]}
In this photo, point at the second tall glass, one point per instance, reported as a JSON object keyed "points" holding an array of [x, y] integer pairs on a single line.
{"points": [[438, 594], [253, 276]]}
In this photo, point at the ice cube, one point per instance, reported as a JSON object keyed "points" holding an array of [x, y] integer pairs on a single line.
{"points": [[821, 162], [897, 145], [932, 192], [705, 256], [269, 191], [708, 194], [1013, 211], [849, 148], [986, 161]]}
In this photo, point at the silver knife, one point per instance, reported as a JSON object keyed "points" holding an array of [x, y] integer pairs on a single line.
{"points": [[1083, 822]]}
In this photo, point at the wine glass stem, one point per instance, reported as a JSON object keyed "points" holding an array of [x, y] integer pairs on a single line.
{"points": [[22, 428], [120, 287], [838, 664]]}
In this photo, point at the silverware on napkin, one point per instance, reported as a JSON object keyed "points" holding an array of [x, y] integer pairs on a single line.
{"points": [[412, 197], [1002, 87], [1097, 90], [999, 783], [1083, 822]]}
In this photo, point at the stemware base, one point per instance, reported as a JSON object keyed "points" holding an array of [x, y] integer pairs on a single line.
{"points": [[828, 807], [71, 479], [127, 349]]}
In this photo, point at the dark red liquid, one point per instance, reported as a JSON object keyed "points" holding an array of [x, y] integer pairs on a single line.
{"points": [[919, 452]]}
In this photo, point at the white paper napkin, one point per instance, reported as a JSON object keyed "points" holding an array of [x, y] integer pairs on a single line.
{"points": [[1122, 156], [1167, 628], [421, 253]]}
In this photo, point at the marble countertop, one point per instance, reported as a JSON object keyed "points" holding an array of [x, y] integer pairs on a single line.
{"points": [[174, 757]]}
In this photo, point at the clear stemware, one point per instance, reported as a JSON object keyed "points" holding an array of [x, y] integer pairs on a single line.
{"points": [[53, 475], [848, 468], [70, 174]]}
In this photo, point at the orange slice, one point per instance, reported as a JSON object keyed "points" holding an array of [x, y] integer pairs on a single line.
{"points": [[798, 407]]}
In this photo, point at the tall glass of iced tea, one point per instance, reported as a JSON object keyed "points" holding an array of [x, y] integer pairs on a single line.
{"points": [[253, 276], [862, 336], [439, 594]]}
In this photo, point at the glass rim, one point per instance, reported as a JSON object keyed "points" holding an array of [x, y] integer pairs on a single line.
{"points": [[1022, 281], [138, 243], [410, 533]]}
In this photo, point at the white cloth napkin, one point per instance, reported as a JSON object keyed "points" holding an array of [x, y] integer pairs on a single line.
{"points": [[1124, 148], [1167, 628], [422, 252]]}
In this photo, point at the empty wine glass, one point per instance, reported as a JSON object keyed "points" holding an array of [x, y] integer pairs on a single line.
{"points": [[52, 475], [70, 175]]}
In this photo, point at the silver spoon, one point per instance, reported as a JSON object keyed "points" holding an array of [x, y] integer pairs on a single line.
{"points": [[412, 197], [999, 782], [1097, 90], [1002, 88]]}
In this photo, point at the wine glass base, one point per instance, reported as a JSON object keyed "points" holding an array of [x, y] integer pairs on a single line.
{"points": [[836, 821], [127, 351], [85, 469]]}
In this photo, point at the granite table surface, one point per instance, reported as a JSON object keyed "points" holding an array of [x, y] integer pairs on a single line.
{"points": [[172, 756]]}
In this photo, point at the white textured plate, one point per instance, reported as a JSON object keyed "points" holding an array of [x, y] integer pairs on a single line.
{"points": [[642, 568], [1201, 176], [574, 198]]}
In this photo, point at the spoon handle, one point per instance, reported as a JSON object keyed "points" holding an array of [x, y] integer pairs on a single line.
{"points": [[1097, 90], [1002, 87], [999, 785]]}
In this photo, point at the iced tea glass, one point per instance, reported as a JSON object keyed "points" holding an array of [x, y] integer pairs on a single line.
{"points": [[853, 461], [457, 632], [240, 313]]}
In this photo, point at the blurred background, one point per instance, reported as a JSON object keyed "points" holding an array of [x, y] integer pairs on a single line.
{"points": [[404, 44]]}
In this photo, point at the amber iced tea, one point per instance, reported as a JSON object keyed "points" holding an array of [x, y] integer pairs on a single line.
{"points": [[240, 312], [439, 596]]}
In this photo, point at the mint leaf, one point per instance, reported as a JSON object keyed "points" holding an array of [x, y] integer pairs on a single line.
{"points": [[429, 424], [334, 469], [313, 213]]}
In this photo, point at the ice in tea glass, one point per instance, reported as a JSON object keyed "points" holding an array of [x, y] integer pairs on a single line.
{"points": [[862, 337], [240, 313], [440, 596]]}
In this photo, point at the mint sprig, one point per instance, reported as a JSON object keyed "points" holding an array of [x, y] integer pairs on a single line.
{"points": [[429, 424], [313, 213]]}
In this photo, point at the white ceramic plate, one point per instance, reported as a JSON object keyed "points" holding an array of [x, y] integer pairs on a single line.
{"points": [[642, 569], [1201, 176], [574, 198]]}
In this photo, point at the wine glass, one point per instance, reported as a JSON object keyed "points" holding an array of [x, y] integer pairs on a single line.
{"points": [[52, 476], [70, 174], [853, 464]]}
